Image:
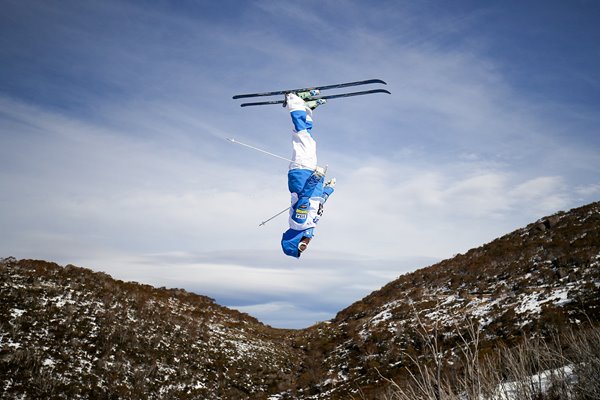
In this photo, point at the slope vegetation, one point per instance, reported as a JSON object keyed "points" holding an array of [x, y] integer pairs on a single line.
{"points": [[70, 333]]}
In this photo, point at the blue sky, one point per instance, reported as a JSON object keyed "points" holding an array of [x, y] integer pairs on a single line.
{"points": [[113, 116]]}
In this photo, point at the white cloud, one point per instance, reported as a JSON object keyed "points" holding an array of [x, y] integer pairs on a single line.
{"points": [[284, 314], [120, 169], [588, 191]]}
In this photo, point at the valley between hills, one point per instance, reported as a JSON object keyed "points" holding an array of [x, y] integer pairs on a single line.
{"points": [[70, 333]]}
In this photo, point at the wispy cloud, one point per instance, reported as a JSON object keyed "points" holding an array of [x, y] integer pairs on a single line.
{"points": [[112, 152]]}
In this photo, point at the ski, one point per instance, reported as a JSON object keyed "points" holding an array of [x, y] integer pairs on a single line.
{"points": [[326, 87], [328, 97]]}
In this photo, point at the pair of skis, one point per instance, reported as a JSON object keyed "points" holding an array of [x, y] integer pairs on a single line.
{"points": [[320, 88]]}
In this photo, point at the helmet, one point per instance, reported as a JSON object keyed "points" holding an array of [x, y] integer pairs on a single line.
{"points": [[291, 239]]}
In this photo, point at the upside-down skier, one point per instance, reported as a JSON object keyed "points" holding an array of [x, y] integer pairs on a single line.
{"points": [[305, 179]]}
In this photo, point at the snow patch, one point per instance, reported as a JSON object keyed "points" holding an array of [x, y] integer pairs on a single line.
{"points": [[16, 313], [539, 383]]}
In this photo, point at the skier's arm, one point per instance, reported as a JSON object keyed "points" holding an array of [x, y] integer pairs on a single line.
{"points": [[327, 191]]}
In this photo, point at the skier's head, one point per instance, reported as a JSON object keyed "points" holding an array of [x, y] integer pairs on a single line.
{"points": [[294, 242]]}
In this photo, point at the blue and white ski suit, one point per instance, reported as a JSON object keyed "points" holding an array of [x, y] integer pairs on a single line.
{"points": [[307, 192]]}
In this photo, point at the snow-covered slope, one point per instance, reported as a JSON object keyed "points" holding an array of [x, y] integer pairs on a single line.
{"points": [[531, 282], [72, 333], [69, 333]]}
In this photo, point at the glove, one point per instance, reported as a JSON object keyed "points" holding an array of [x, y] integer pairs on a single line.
{"points": [[319, 171]]}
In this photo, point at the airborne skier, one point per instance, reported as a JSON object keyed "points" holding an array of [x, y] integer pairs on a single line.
{"points": [[305, 178]]}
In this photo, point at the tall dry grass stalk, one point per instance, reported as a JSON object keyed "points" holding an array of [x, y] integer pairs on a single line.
{"points": [[565, 367]]}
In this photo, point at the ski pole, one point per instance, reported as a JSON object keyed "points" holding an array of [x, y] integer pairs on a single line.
{"points": [[266, 152], [274, 216]]}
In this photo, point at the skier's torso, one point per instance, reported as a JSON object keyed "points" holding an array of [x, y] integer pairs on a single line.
{"points": [[305, 212]]}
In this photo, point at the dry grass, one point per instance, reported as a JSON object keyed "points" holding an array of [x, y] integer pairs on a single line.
{"points": [[567, 366]]}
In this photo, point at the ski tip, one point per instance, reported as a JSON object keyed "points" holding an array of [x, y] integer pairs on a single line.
{"points": [[232, 140]]}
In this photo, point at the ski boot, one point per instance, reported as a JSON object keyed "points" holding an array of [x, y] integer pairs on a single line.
{"points": [[320, 171], [309, 99], [312, 104], [309, 94], [306, 96]]}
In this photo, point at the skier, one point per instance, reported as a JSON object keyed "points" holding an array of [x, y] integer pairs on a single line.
{"points": [[305, 178]]}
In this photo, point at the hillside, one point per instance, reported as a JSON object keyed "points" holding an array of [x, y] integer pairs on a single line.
{"points": [[72, 333], [68, 332], [535, 281]]}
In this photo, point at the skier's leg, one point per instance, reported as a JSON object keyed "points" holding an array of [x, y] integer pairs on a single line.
{"points": [[304, 147], [304, 151], [301, 115]]}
